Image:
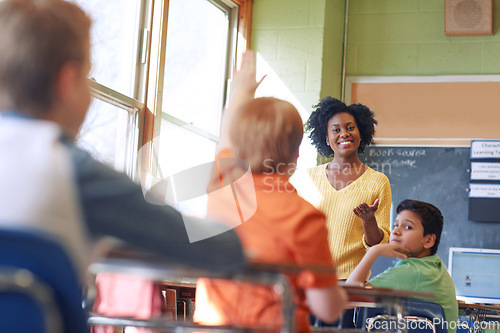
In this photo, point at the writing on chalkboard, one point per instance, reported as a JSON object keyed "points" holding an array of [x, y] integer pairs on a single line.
{"points": [[415, 152], [395, 157]]}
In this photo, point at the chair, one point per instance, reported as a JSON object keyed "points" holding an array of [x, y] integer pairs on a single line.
{"points": [[39, 286], [420, 316]]}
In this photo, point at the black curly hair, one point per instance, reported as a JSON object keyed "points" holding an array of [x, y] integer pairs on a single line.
{"points": [[317, 124]]}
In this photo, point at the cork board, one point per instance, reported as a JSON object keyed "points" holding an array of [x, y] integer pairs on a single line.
{"points": [[420, 108]]}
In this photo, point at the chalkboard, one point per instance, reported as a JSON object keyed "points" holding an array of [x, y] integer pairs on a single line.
{"points": [[440, 176]]}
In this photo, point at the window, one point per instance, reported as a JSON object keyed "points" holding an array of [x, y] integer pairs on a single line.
{"points": [[160, 84], [194, 65], [198, 49], [110, 131], [115, 37]]}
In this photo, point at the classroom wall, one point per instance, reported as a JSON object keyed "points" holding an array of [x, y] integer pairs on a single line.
{"points": [[400, 37], [406, 38], [302, 42], [299, 46]]}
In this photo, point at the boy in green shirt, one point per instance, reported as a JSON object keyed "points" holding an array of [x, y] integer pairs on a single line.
{"points": [[414, 239]]}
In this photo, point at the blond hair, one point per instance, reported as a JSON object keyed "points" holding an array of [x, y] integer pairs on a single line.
{"points": [[38, 37], [267, 133]]}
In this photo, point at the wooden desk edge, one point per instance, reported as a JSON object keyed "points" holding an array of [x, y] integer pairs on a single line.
{"points": [[462, 305]]}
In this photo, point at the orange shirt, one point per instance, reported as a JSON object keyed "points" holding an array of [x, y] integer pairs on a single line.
{"points": [[285, 229]]}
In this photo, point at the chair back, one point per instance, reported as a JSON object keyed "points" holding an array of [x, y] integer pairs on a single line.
{"points": [[40, 290], [420, 316]]}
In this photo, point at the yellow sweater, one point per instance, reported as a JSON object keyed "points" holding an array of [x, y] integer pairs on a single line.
{"points": [[345, 231]]}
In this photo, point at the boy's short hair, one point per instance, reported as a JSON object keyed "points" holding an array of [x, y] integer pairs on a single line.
{"points": [[430, 215], [267, 133], [37, 38]]}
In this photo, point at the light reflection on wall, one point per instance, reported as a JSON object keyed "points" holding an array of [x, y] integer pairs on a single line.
{"points": [[273, 86]]}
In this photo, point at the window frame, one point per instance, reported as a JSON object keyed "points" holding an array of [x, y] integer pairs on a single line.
{"points": [[112, 97], [150, 69], [150, 121]]}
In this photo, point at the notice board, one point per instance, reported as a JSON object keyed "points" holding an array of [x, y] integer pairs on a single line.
{"points": [[442, 110]]}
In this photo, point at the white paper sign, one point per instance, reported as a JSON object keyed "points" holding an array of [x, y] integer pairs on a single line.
{"points": [[485, 149], [485, 171], [484, 191]]}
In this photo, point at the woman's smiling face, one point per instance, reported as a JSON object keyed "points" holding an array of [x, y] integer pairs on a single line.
{"points": [[343, 134]]}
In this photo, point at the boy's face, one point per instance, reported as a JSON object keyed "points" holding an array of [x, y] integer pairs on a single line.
{"points": [[409, 232]]}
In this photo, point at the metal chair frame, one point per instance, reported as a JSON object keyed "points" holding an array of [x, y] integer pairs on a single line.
{"points": [[407, 310], [23, 283]]}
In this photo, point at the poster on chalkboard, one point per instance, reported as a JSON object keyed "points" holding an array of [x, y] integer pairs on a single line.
{"points": [[485, 171], [484, 184]]}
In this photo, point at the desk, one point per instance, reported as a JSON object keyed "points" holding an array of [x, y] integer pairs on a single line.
{"points": [[158, 269], [479, 314], [361, 296]]}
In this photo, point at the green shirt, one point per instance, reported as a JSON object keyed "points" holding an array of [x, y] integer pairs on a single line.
{"points": [[427, 274]]}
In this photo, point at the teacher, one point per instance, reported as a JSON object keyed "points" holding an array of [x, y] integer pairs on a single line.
{"points": [[355, 198]]}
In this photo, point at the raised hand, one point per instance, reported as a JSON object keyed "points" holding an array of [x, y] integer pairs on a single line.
{"points": [[244, 83], [243, 90]]}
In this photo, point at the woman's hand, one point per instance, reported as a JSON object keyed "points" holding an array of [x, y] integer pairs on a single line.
{"points": [[366, 212], [373, 234]]}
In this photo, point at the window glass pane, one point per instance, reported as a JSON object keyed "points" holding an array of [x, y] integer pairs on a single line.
{"points": [[181, 149], [108, 134], [195, 63], [114, 39]]}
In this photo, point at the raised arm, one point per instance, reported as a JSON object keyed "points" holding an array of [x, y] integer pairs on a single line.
{"points": [[243, 89]]}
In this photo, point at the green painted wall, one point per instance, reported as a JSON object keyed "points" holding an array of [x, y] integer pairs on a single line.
{"points": [[406, 37], [333, 48], [299, 46], [302, 39], [301, 42]]}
